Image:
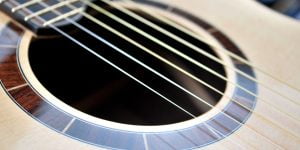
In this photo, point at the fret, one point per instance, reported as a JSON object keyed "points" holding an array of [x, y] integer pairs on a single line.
{"points": [[48, 9], [35, 16], [27, 4], [64, 16]]}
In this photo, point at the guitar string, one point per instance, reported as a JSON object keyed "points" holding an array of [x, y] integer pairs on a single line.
{"points": [[276, 108], [174, 66], [189, 33], [209, 127], [213, 130], [183, 71], [208, 42], [187, 91], [52, 7], [190, 45], [186, 57]]}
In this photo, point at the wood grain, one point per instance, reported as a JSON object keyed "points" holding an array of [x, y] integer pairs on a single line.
{"points": [[269, 40]]}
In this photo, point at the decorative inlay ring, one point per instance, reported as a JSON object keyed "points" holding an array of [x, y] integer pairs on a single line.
{"points": [[30, 100]]}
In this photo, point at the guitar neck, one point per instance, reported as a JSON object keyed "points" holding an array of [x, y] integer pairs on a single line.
{"points": [[36, 15]]}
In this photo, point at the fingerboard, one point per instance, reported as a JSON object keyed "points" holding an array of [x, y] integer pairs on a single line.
{"points": [[38, 14]]}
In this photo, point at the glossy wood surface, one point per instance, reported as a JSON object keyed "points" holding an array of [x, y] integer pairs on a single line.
{"points": [[269, 40]]}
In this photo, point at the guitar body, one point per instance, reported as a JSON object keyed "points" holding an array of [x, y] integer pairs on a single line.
{"points": [[270, 41]]}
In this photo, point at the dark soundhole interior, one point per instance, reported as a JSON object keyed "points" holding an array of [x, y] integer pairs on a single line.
{"points": [[90, 85]]}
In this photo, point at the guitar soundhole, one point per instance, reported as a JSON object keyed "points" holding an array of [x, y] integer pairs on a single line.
{"points": [[90, 85]]}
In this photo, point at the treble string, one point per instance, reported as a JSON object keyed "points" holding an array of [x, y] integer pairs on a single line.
{"points": [[147, 67], [120, 20]]}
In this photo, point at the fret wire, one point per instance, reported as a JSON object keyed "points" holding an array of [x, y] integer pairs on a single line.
{"points": [[49, 9], [63, 16], [101, 10], [9, 4], [24, 5], [165, 78]]}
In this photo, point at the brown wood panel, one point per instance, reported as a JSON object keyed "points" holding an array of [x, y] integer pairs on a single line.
{"points": [[39, 108], [9, 71]]}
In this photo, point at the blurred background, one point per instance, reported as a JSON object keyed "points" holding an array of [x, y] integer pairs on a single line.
{"points": [[288, 7]]}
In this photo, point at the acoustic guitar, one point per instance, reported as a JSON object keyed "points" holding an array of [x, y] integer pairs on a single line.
{"points": [[211, 74]]}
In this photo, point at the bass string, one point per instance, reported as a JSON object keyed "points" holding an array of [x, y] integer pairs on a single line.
{"points": [[188, 58], [185, 90], [213, 130]]}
